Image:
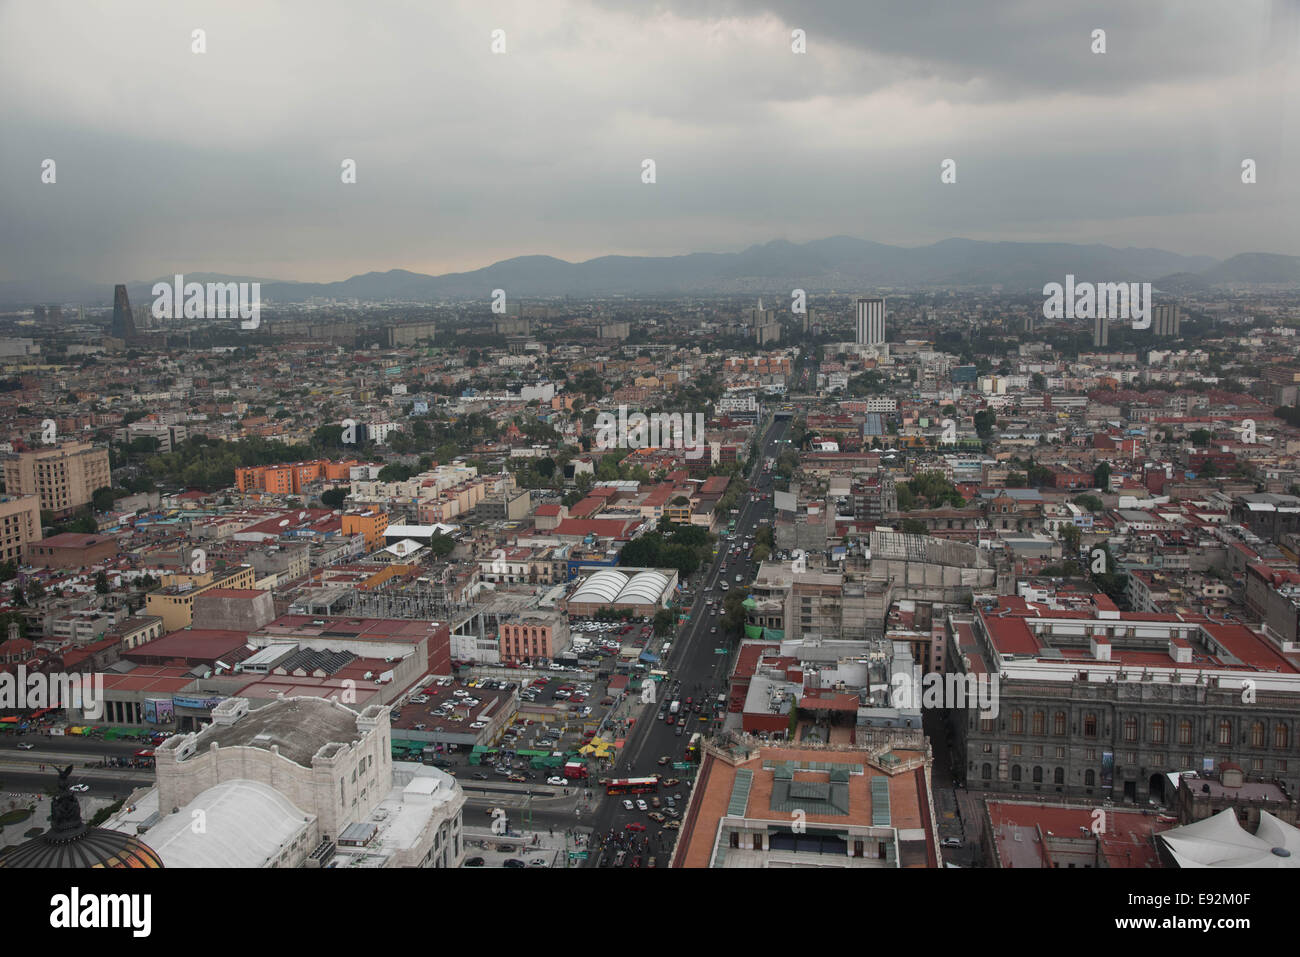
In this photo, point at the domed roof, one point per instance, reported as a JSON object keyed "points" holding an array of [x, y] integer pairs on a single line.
{"points": [[70, 843], [90, 847]]}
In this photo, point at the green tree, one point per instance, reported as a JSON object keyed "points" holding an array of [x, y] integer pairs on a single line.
{"points": [[101, 583], [441, 545], [1101, 476], [663, 622], [335, 497], [1091, 502], [1070, 539]]}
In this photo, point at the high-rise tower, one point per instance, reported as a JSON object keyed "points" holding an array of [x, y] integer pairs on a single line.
{"points": [[871, 322], [123, 321]]}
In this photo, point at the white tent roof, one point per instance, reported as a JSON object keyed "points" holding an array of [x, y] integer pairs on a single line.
{"points": [[1220, 841]]}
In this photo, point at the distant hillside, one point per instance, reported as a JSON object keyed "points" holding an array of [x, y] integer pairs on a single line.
{"points": [[841, 263], [1255, 268]]}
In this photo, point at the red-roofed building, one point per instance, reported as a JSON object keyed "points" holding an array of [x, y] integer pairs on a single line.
{"points": [[71, 550], [1058, 836]]}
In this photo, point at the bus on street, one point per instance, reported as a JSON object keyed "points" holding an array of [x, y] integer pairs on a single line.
{"points": [[631, 785]]}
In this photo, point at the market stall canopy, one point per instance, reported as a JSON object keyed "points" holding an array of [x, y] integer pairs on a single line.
{"points": [[1221, 841]]}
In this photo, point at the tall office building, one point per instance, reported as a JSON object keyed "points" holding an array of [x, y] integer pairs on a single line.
{"points": [[871, 322], [1165, 321], [1100, 333], [760, 317], [123, 321]]}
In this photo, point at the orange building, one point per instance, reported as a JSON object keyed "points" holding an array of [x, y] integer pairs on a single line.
{"points": [[290, 479], [368, 522]]}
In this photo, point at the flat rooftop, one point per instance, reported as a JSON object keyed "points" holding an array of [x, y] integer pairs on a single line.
{"points": [[298, 726]]}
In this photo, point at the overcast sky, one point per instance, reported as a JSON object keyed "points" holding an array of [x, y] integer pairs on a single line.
{"points": [[229, 161]]}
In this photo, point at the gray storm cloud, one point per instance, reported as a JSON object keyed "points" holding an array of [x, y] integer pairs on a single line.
{"points": [[229, 161]]}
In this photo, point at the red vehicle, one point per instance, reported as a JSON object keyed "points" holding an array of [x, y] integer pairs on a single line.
{"points": [[632, 785], [636, 826], [575, 770], [669, 719]]}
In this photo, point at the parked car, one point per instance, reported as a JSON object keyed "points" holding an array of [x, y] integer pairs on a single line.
{"points": [[475, 862], [514, 862]]}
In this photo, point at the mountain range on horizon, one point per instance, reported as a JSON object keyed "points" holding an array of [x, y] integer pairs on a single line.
{"points": [[841, 263]]}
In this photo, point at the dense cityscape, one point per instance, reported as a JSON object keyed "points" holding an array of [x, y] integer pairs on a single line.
{"points": [[570, 437]]}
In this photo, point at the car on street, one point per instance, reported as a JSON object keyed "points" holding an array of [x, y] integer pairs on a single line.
{"points": [[627, 805], [641, 805], [562, 782], [670, 782], [80, 788], [24, 746], [664, 759], [636, 826], [672, 825], [950, 842], [514, 862], [475, 862], [656, 816]]}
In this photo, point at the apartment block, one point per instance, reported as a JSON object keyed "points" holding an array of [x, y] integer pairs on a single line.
{"points": [[64, 477]]}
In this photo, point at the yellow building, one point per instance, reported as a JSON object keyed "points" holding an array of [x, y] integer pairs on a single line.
{"points": [[174, 602]]}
